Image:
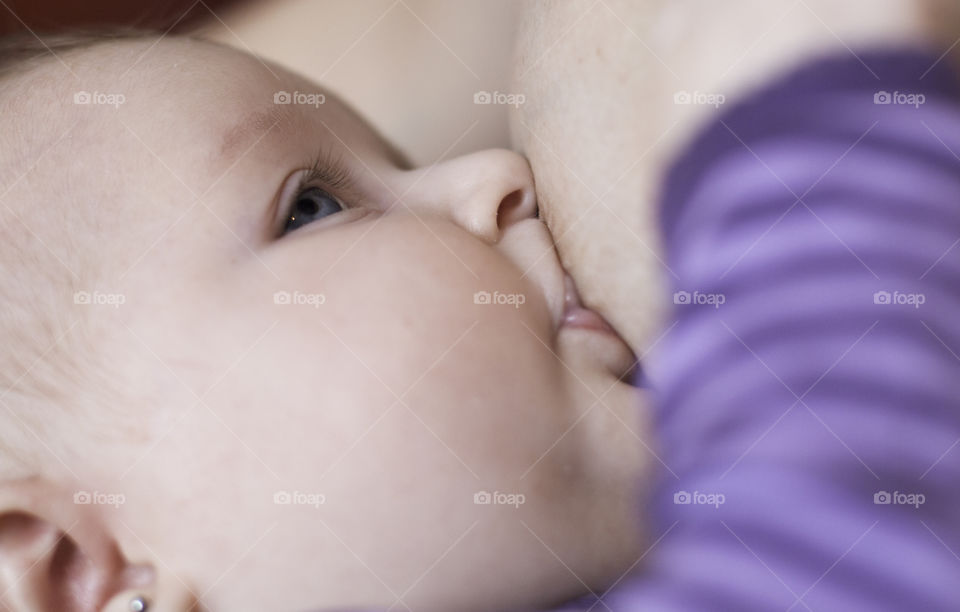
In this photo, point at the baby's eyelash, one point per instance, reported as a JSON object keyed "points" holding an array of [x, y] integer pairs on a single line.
{"points": [[328, 170]]}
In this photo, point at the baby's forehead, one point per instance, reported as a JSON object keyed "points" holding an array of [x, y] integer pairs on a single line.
{"points": [[98, 119], [205, 91], [180, 85], [168, 118], [184, 102]]}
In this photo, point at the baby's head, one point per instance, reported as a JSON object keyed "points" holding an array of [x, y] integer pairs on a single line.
{"points": [[251, 356]]}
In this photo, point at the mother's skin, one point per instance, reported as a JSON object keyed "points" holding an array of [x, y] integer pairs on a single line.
{"points": [[600, 123]]}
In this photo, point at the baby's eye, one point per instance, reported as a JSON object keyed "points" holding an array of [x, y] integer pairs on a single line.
{"points": [[311, 204]]}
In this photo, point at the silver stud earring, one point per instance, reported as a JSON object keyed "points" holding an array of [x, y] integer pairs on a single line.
{"points": [[138, 604]]}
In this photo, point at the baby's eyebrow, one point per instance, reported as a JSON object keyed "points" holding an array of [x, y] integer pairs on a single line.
{"points": [[253, 126], [250, 128]]}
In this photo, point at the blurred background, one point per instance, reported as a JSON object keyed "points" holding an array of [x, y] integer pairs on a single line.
{"points": [[411, 67]]}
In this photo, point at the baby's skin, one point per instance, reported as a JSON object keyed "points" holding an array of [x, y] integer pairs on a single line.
{"points": [[258, 361]]}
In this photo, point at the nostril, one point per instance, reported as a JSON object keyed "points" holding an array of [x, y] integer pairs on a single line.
{"points": [[511, 209]]}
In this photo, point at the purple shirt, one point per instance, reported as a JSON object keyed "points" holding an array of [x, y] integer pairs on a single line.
{"points": [[808, 396]]}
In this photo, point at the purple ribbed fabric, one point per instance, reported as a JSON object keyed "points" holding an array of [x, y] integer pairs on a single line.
{"points": [[808, 412]]}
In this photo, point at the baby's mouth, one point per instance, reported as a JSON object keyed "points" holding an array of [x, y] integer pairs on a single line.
{"points": [[529, 246], [575, 314]]}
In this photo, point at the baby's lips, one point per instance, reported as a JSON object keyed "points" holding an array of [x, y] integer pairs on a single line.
{"points": [[576, 315]]}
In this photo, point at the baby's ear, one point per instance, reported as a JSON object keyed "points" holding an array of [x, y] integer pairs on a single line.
{"points": [[57, 553]]}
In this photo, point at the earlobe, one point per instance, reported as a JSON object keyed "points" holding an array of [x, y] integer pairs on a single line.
{"points": [[58, 555]]}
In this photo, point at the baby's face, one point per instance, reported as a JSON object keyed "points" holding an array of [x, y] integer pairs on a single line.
{"points": [[323, 402]]}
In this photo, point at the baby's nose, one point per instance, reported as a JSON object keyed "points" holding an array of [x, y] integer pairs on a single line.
{"points": [[484, 192]]}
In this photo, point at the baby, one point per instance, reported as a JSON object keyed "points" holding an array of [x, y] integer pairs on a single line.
{"points": [[255, 360]]}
